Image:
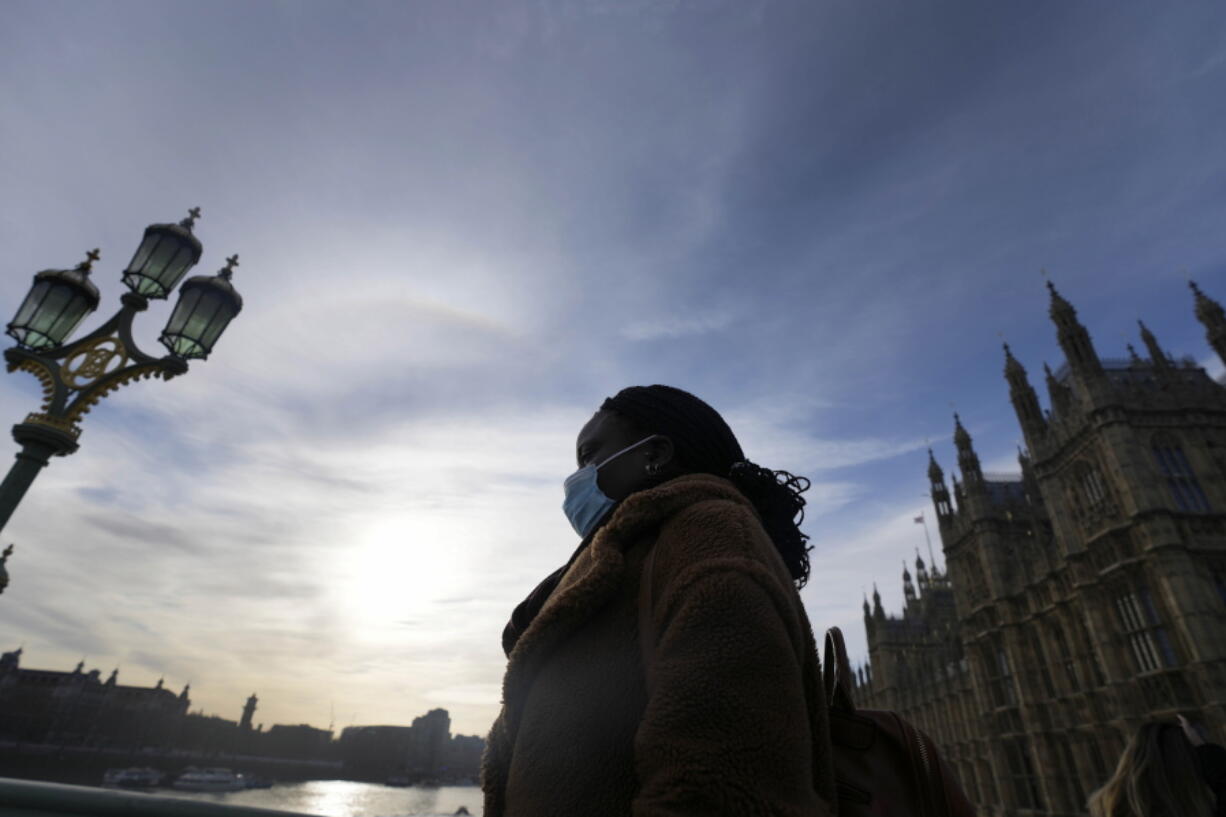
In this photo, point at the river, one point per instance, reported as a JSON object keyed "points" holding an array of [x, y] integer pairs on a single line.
{"points": [[344, 798]]}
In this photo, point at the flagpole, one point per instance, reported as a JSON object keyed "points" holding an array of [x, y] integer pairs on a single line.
{"points": [[932, 559]]}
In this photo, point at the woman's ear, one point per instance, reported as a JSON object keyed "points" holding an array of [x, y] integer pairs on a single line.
{"points": [[661, 455]]}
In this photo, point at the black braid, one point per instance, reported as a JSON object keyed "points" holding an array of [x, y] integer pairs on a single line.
{"points": [[704, 443], [777, 496]]}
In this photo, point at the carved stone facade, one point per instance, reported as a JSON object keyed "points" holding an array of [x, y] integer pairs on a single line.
{"points": [[1081, 597], [78, 708]]}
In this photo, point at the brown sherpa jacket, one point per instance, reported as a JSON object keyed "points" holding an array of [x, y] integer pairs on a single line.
{"points": [[727, 727]]}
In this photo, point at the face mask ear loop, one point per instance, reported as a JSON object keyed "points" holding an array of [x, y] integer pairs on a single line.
{"points": [[609, 459]]}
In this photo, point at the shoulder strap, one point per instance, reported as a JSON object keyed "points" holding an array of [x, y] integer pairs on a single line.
{"points": [[647, 623], [836, 672]]}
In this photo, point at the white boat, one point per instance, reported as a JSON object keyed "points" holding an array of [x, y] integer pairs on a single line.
{"points": [[212, 779], [141, 777]]}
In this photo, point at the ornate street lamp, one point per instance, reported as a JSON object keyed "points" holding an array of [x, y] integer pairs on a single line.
{"points": [[77, 375], [206, 306], [59, 300], [164, 256]]}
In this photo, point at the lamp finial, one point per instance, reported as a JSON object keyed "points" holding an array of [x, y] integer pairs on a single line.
{"points": [[90, 257], [190, 221], [228, 269]]}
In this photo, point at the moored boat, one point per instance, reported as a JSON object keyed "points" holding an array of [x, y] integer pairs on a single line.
{"points": [[137, 777], [211, 779]]}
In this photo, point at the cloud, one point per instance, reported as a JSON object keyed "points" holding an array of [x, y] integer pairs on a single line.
{"points": [[848, 562], [460, 231], [678, 325]]}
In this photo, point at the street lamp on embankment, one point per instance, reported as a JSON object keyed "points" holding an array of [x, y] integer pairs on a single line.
{"points": [[76, 375]]}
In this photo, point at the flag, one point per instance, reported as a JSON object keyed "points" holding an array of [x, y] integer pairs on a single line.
{"points": [[919, 520]]}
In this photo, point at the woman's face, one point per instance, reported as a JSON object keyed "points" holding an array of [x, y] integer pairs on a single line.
{"points": [[606, 434]]}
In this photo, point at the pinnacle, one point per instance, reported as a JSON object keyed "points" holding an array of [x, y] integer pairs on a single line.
{"points": [[961, 438], [1207, 310]]}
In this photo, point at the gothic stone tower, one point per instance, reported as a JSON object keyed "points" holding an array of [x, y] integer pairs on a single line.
{"points": [[1090, 592], [248, 712]]}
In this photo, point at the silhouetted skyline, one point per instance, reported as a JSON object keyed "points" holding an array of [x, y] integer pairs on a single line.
{"points": [[462, 227]]}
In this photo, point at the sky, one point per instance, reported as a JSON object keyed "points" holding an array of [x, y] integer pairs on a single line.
{"points": [[462, 225]]}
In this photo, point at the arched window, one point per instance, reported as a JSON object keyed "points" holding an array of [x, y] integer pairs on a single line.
{"points": [[1088, 489], [1000, 674], [1082, 635], [1072, 779], [1180, 478], [1151, 646], [1064, 657], [1022, 772]]}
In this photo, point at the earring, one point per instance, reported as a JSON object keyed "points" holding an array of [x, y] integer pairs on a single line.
{"points": [[653, 468]]}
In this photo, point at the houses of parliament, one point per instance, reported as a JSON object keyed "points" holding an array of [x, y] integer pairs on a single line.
{"points": [[1081, 597]]}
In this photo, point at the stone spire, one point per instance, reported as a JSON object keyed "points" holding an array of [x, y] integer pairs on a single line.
{"points": [[1074, 338], [878, 610], [1022, 394], [1210, 313], [1059, 394], [968, 460], [940, 494], [908, 589], [1156, 355]]}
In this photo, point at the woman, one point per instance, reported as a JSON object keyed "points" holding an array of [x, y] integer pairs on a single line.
{"points": [[732, 718], [1165, 771]]}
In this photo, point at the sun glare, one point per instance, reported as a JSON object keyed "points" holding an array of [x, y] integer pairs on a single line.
{"points": [[400, 566]]}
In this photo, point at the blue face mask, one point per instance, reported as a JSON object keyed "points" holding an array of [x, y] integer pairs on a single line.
{"points": [[585, 503]]}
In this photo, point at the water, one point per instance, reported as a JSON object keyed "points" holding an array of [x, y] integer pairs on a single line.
{"points": [[344, 798]]}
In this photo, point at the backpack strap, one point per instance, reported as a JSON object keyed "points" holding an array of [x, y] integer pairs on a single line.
{"points": [[836, 672]]}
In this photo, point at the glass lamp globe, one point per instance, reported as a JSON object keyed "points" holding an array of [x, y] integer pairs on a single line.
{"points": [[56, 304], [164, 256], [206, 306]]}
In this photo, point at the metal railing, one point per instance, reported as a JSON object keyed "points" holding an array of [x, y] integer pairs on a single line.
{"points": [[28, 798]]}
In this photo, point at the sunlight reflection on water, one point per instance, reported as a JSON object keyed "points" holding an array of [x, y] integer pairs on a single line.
{"points": [[344, 798]]}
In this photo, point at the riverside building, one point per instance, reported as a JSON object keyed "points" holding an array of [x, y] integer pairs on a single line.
{"points": [[1082, 596]]}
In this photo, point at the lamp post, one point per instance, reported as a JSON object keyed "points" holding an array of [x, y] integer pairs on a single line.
{"points": [[76, 375]]}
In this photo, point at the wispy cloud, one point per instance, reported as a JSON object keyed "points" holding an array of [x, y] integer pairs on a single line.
{"points": [[460, 230], [676, 325]]}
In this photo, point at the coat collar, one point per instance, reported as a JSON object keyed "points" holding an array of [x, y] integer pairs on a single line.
{"points": [[603, 571]]}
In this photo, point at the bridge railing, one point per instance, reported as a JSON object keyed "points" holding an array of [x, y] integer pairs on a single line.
{"points": [[28, 798]]}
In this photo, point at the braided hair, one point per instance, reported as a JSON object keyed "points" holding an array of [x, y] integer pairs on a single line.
{"points": [[704, 443]]}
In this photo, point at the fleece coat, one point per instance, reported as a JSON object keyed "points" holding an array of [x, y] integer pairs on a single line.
{"points": [[734, 709]]}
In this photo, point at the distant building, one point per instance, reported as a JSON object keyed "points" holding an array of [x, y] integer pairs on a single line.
{"points": [[79, 709], [424, 751], [428, 743], [248, 712], [463, 757], [300, 742], [212, 735], [375, 752], [1084, 595]]}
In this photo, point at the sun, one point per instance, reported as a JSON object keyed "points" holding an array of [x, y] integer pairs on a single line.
{"points": [[398, 567]]}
